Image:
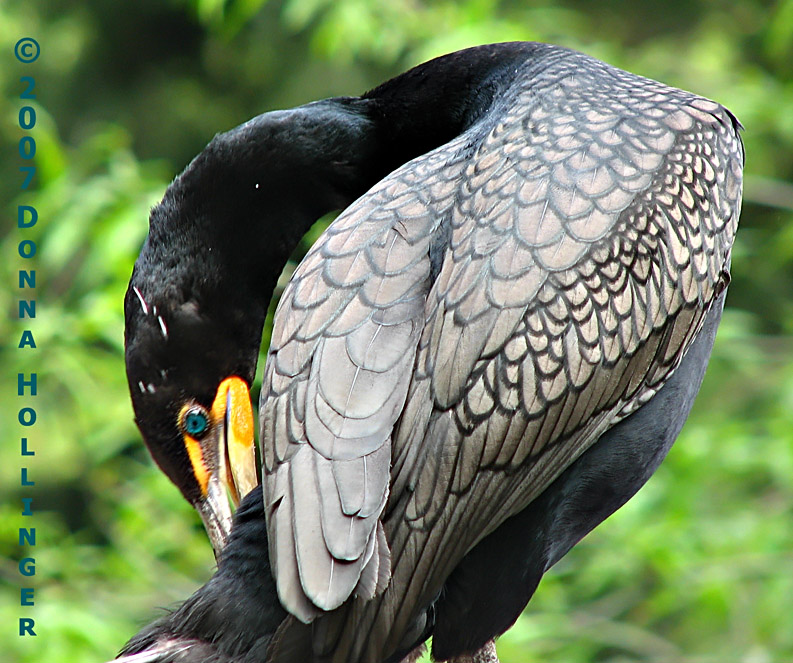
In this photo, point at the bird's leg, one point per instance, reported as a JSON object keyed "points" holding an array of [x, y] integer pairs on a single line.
{"points": [[487, 654]]}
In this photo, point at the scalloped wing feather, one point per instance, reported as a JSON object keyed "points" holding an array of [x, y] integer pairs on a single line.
{"points": [[335, 384]]}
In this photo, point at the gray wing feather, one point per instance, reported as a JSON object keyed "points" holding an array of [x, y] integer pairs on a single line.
{"points": [[341, 359], [590, 233]]}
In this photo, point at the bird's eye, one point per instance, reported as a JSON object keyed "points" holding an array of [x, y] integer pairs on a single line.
{"points": [[195, 421]]}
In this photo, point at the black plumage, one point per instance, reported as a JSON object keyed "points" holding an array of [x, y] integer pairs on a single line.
{"points": [[233, 616], [485, 355]]}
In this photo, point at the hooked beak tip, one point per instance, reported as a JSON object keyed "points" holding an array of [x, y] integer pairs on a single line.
{"points": [[216, 515]]}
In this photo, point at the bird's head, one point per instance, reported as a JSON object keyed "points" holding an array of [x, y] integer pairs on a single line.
{"points": [[192, 342], [200, 289]]}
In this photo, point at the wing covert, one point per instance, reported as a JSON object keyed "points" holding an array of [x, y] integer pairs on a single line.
{"points": [[604, 227]]}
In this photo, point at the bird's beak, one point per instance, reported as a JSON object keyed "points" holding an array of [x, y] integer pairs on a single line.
{"points": [[233, 474]]}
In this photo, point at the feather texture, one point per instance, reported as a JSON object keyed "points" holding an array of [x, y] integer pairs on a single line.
{"points": [[328, 444], [588, 221]]}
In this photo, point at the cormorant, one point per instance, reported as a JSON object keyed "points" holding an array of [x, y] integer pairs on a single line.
{"points": [[486, 354]]}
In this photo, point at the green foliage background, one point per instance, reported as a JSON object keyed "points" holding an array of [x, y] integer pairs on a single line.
{"points": [[697, 568]]}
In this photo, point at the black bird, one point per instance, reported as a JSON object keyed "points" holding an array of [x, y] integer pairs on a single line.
{"points": [[483, 357]]}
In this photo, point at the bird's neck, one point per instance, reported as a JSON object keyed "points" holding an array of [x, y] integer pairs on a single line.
{"points": [[254, 191], [320, 157], [436, 101], [234, 614]]}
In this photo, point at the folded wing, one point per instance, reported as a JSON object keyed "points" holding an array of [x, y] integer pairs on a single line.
{"points": [[590, 233], [341, 358]]}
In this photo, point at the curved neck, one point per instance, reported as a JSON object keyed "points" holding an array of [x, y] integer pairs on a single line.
{"points": [[240, 208]]}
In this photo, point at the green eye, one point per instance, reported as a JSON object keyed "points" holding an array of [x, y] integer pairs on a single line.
{"points": [[195, 421]]}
